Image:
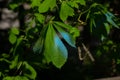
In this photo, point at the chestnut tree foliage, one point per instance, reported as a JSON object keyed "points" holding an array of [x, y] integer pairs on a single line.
{"points": [[45, 27]]}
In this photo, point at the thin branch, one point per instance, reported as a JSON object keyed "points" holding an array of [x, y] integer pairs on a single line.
{"points": [[79, 53], [88, 52]]}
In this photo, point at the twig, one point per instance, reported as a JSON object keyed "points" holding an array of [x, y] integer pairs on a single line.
{"points": [[79, 53], [88, 52]]}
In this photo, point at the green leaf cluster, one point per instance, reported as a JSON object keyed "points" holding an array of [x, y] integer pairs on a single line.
{"points": [[13, 35], [50, 42], [100, 20]]}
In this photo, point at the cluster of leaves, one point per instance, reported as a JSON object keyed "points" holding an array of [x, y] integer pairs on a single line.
{"points": [[51, 23]]}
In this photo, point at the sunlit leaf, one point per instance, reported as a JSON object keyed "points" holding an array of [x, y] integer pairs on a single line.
{"points": [[82, 2], [75, 32], [12, 38], [19, 40], [73, 4], [13, 6], [68, 27], [8, 78], [14, 62], [15, 78], [15, 31], [40, 17], [29, 71], [35, 3], [65, 11], [46, 5]]}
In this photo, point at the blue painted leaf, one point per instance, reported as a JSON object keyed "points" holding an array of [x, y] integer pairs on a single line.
{"points": [[71, 30], [54, 51], [66, 36], [109, 17]]}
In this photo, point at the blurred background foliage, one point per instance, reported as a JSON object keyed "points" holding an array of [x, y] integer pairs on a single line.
{"points": [[60, 40]]}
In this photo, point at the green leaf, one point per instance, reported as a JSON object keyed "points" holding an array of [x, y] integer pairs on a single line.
{"points": [[75, 32], [40, 17], [73, 4], [35, 3], [92, 24], [18, 42], [29, 71], [66, 36], [0, 74], [68, 27], [72, 30], [5, 55], [8, 78], [55, 51], [14, 62], [118, 61], [107, 27], [15, 31], [38, 47], [46, 5], [13, 6], [15, 78], [65, 11], [88, 15], [21, 78], [12, 38], [5, 60], [82, 2]]}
